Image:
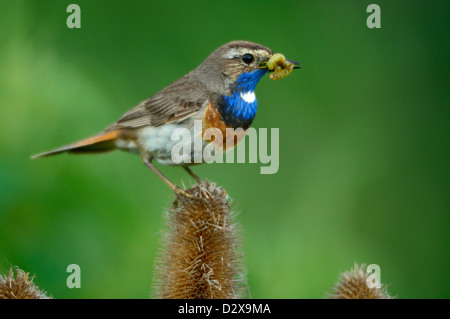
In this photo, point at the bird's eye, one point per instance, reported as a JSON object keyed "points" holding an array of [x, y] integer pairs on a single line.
{"points": [[248, 58]]}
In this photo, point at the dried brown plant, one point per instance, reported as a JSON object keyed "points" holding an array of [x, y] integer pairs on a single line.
{"points": [[353, 285], [21, 287], [201, 256]]}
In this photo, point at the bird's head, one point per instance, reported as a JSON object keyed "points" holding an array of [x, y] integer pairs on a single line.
{"points": [[236, 65]]}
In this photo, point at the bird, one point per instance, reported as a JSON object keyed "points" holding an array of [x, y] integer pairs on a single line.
{"points": [[220, 93]]}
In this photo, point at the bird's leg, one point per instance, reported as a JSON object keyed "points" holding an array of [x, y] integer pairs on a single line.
{"points": [[195, 176], [148, 161]]}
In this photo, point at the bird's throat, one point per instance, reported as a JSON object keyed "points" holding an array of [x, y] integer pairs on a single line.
{"points": [[239, 108]]}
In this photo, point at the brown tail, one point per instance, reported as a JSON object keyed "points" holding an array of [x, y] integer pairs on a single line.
{"points": [[102, 142]]}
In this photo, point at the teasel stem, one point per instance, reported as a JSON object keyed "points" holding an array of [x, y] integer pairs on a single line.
{"points": [[201, 256]]}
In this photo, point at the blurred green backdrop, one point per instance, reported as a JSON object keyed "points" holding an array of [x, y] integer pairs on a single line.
{"points": [[363, 142]]}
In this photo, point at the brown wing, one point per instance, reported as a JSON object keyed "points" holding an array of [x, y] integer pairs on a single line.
{"points": [[177, 101]]}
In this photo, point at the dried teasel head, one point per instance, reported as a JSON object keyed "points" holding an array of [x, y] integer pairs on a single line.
{"points": [[353, 284], [21, 287], [201, 256]]}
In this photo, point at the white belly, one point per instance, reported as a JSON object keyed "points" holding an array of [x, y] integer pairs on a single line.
{"points": [[160, 142]]}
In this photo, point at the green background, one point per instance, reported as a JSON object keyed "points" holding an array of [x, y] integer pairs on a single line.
{"points": [[363, 142]]}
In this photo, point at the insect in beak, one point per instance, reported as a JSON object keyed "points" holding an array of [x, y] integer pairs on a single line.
{"points": [[279, 66]]}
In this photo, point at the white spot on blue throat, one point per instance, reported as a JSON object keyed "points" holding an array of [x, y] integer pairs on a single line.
{"points": [[248, 97]]}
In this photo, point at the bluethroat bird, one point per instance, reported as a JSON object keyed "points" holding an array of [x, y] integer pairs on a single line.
{"points": [[219, 93]]}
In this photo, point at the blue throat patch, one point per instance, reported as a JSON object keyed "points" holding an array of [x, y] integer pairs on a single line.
{"points": [[241, 105]]}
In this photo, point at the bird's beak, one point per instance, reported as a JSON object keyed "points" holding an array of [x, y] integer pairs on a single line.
{"points": [[263, 65], [296, 64]]}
